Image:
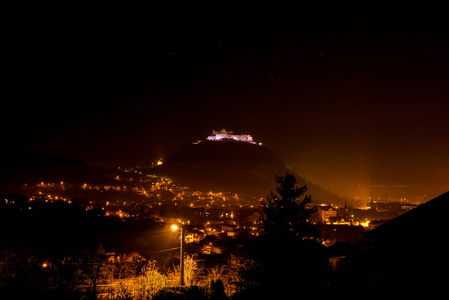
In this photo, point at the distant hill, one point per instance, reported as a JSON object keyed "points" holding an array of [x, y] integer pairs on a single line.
{"points": [[231, 166], [22, 167]]}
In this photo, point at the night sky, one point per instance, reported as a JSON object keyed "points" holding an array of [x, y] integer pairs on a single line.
{"points": [[344, 98]]}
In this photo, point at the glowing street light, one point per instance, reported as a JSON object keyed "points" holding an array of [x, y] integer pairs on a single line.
{"points": [[175, 227]]}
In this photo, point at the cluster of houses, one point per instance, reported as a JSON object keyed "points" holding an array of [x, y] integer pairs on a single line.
{"points": [[211, 237], [207, 231], [337, 225]]}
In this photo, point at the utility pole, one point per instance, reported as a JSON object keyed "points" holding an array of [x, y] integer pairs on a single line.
{"points": [[174, 228], [182, 258]]}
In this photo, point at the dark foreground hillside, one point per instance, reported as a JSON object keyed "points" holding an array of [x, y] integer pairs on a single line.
{"points": [[404, 256]]}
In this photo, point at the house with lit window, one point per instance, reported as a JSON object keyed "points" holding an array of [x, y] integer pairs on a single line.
{"points": [[194, 233]]}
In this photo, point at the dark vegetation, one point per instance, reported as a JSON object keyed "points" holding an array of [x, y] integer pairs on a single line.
{"points": [[288, 257]]}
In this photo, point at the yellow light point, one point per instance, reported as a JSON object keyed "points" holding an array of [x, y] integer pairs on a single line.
{"points": [[174, 227], [44, 265], [365, 224]]}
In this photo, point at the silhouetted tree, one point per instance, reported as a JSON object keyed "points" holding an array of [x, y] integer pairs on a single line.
{"points": [[286, 214], [92, 270], [217, 290], [287, 257]]}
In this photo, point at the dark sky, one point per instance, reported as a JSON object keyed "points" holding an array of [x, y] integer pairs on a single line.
{"points": [[341, 97]]}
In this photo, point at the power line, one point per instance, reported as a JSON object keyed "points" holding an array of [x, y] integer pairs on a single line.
{"points": [[159, 251], [143, 235]]}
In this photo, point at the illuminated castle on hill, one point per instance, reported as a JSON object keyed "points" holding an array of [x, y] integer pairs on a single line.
{"points": [[224, 135]]}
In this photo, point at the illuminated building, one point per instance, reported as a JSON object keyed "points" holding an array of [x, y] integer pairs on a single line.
{"points": [[224, 135], [325, 212]]}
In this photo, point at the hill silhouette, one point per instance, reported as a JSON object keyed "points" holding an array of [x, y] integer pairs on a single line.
{"points": [[236, 167], [405, 256], [29, 166], [419, 224]]}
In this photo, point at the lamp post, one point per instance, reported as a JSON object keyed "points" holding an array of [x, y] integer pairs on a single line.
{"points": [[181, 253], [182, 257]]}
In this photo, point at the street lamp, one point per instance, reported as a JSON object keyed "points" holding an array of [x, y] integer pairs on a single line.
{"points": [[175, 227]]}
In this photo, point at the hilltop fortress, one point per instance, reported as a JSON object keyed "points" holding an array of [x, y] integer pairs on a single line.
{"points": [[224, 135]]}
